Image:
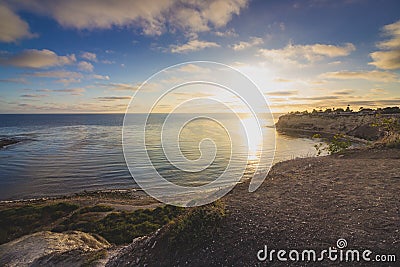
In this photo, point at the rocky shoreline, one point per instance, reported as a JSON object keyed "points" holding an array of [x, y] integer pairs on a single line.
{"points": [[4, 142], [359, 127]]}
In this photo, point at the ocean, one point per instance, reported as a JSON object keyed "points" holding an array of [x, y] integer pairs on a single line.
{"points": [[68, 153]]}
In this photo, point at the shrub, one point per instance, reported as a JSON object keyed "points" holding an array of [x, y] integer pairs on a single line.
{"points": [[20, 221], [120, 227], [391, 128], [337, 144], [197, 225]]}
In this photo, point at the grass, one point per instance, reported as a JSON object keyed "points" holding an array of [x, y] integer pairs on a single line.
{"points": [[197, 225], [184, 225], [119, 227], [20, 221]]}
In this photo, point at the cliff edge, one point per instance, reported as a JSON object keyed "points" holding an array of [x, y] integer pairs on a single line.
{"points": [[352, 124]]}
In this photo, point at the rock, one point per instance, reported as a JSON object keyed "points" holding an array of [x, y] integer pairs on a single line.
{"points": [[71, 247]]}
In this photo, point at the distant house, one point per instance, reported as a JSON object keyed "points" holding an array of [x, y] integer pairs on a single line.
{"points": [[367, 111]]}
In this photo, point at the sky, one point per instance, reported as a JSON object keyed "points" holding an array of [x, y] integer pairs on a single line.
{"points": [[92, 56]]}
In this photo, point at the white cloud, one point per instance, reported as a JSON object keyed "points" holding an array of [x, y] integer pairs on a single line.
{"points": [[393, 31], [33, 58], [304, 54], [227, 33], [89, 56], [153, 17], [377, 76], [387, 60], [332, 50], [56, 74], [389, 57], [65, 77], [120, 86], [192, 45], [85, 66], [191, 68], [72, 91], [100, 77], [12, 27], [378, 91], [254, 41]]}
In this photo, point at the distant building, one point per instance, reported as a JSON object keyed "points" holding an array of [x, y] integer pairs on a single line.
{"points": [[367, 111]]}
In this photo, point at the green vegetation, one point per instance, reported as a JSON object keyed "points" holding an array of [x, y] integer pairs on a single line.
{"points": [[197, 225], [97, 208], [115, 227], [119, 227], [337, 144], [20, 221], [191, 225], [391, 128], [348, 110], [93, 257]]}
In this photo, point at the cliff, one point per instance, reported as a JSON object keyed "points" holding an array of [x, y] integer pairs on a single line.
{"points": [[353, 124], [50, 249]]}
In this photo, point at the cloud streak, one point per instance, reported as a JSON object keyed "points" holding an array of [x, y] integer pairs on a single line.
{"points": [[33, 58], [113, 98], [305, 54], [282, 93], [377, 76], [192, 45]]}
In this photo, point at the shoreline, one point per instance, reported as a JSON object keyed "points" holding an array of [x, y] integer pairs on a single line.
{"points": [[305, 203], [121, 192], [351, 195], [308, 133]]}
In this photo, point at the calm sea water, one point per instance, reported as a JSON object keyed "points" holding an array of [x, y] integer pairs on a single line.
{"points": [[62, 154]]}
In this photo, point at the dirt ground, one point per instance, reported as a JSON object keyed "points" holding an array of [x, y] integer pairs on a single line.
{"points": [[306, 203]]}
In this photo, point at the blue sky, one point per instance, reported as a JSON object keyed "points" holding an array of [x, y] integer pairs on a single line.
{"points": [[80, 57]]}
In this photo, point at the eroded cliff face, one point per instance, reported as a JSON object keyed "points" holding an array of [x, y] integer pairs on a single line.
{"points": [[359, 126], [53, 249]]}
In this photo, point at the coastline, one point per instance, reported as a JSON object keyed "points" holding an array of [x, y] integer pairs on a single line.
{"points": [[122, 199], [309, 133], [303, 203]]}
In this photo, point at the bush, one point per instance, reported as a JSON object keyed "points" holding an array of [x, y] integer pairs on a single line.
{"points": [[337, 144], [120, 227], [20, 221], [391, 128], [97, 208], [197, 225]]}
